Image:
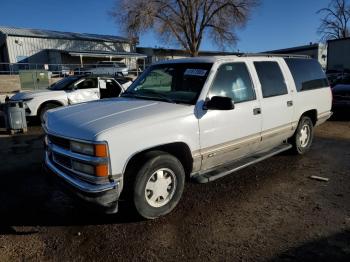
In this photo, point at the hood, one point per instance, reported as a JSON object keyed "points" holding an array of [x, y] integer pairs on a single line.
{"points": [[31, 94], [87, 120]]}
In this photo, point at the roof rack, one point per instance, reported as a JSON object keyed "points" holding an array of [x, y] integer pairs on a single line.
{"points": [[272, 55]]}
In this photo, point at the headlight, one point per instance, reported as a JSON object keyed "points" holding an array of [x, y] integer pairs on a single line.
{"points": [[100, 170], [84, 168], [82, 148], [98, 150]]}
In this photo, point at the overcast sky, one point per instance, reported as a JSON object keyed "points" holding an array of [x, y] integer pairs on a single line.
{"points": [[275, 24]]}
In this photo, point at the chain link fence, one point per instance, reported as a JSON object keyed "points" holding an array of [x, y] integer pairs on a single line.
{"points": [[60, 70]]}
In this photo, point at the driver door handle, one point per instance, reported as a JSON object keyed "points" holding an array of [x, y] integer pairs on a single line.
{"points": [[257, 111]]}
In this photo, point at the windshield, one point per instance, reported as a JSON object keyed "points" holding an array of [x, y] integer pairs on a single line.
{"points": [[63, 84], [176, 83]]}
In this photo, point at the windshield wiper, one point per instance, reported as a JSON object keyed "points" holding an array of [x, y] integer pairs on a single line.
{"points": [[161, 96]]}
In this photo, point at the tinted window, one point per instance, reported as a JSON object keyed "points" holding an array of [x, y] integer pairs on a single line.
{"points": [[87, 83], [109, 88], [345, 80], [63, 84], [307, 73], [233, 80], [271, 79]]}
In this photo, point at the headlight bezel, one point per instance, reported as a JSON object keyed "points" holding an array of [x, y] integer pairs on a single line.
{"points": [[84, 168], [82, 148], [89, 158], [96, 150], [89, 149]]}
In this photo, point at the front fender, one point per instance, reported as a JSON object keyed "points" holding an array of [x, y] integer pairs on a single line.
{"points": [[126, 141]]}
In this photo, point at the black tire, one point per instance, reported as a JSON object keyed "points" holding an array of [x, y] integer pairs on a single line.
{"points": [[45, 108], [302, 145], [171, 170]]}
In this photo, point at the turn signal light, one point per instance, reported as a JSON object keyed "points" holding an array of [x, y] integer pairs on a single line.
{"points": [[101, 170], [101, 150]]}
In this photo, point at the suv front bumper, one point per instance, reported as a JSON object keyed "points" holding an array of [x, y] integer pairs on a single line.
{"points": [[102, 196]]}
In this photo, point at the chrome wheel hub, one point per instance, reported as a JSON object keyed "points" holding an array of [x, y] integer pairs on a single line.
{"points": [[160, 187], [304, 135]]}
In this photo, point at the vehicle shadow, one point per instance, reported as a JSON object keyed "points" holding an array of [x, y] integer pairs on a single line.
{"points": [[341, 115], [33, 202], [331, 248], [27, 199]]}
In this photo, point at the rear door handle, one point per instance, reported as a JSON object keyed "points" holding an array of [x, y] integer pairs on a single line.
{"points": [[289, 103], [257, 111]]}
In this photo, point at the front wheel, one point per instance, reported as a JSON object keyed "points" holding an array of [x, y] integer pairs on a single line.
{"points": [[304, 134], [158, 186]]}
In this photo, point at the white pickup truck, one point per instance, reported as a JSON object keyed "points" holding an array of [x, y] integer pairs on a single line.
{"points": [[68, 91], [201, 118]]}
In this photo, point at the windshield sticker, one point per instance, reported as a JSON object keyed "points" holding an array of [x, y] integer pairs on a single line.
{"points": [[195, 72]]}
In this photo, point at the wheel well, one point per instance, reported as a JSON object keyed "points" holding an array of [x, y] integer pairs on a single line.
{"points": [[312, 114], [48, 102], [180, 150]]}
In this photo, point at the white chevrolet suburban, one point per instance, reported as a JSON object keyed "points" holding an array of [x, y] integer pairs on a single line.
{"points": [[201, 118], [68, 91]]}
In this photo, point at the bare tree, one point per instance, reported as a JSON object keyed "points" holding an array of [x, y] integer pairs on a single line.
{"points": [[186, 22], [334, 24]]}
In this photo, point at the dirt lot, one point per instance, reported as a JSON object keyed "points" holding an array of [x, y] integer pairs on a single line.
{"points": [[270, 211]]}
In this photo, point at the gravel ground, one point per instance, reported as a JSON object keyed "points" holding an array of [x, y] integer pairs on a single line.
{"points": [[272, 211]]}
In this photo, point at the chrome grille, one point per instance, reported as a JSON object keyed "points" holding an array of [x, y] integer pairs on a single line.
{"points": [[59, 141], [62, 160]]}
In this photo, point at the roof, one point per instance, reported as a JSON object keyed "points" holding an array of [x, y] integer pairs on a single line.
{"points": [[104, 54], [200, 59], [100, 53], [41, 33], [213, 59], [339, 40], [182, 51], [295, 49]]}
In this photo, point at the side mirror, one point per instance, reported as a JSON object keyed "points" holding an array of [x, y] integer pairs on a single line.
{"points": [[219, 103]]}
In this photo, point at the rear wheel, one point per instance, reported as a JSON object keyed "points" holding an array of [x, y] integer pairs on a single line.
{"points": [[302, 139], [44, 109], [158, 185]]}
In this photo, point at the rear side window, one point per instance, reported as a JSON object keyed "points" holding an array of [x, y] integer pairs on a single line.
{"points": [[233, 80], [271, 79], [307, 73]]}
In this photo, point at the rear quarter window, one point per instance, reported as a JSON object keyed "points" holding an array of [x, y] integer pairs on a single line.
{"points": [[307, 73]]}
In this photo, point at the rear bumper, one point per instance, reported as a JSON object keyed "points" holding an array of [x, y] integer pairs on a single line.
{"points": [[102, 196]]}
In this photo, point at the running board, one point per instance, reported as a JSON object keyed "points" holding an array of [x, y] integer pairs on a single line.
{"points": [[213, 174]]}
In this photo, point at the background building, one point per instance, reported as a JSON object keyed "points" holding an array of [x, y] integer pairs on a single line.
{"points": [[18, 45], [339, 55]]}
